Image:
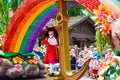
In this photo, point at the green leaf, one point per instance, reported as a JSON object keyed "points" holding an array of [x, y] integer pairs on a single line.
{"points": [[7, 54], [118, 0]]}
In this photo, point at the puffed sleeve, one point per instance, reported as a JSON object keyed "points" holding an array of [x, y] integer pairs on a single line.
{"points": [[44, 41]]}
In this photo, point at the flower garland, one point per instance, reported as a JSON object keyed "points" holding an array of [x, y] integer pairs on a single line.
{"points": [[103, 18], [19, 61]]}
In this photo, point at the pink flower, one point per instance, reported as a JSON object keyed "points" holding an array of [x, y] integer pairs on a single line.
{"points": [[110, 19], [18, 67], [96, 28], [1, 59], [102, 13], [11, 13], [36, 57]]}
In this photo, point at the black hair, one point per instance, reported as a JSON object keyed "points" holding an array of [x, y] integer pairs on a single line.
{"points": [[54, 31]]}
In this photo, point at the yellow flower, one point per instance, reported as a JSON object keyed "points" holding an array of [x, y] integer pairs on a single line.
{"points": [[17, 60], [102, 13]]}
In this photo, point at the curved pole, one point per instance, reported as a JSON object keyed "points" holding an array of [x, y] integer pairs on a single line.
{"points": [[80, 73]]}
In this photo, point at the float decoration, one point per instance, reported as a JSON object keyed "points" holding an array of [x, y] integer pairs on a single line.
{"points": [[89, 4], [112, 72], [105, 33], [103, 18], [21, 35], [18, 65], [113, 6]]}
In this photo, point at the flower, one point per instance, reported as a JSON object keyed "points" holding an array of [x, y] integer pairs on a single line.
{"points": [[17, 60], [18, 67], [110, 18], [105, 29], [32, 61], [36, 57], [102, 13], [1, 59], [103, 18], [11, 13]]}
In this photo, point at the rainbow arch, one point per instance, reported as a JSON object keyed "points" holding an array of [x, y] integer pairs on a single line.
{"points": [[27, 23]]}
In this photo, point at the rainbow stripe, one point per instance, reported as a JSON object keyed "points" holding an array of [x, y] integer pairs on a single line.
{"points": [[115, 4], [27, 23]]}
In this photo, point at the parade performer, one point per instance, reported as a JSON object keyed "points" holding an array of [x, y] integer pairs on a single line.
{"points": [[51, 55], [116, 41], [112, 72]]}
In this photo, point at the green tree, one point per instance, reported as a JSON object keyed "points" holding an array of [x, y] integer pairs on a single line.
{"points": [[78, 11], [4, 7], [2, 16]]}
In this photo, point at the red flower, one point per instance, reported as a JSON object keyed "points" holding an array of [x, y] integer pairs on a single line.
{"points": [[1, 59], [105, 29]]}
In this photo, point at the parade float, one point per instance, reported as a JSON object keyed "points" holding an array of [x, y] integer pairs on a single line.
{"points": [[17, 56]]}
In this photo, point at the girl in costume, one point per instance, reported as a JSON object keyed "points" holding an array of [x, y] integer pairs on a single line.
{"points": [[51, 56]]}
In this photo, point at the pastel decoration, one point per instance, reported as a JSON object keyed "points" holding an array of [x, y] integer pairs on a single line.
{"points": [[114, 6]]}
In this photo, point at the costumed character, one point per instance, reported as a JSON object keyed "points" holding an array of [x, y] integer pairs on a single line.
{"points": [[112, 72], [51, 55], [116, 41]]}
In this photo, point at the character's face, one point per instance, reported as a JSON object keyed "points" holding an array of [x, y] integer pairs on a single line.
{"points": [[51, 34]]}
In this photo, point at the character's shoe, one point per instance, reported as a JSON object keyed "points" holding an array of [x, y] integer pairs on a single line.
{"points": [[51, 74]]}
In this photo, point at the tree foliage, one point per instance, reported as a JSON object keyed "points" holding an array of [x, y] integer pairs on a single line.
{"points": [[78, 11], [2, 16], [4, 7]]}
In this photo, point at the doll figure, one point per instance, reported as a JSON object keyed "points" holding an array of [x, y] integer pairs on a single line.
{"points": [[51, 55]]}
